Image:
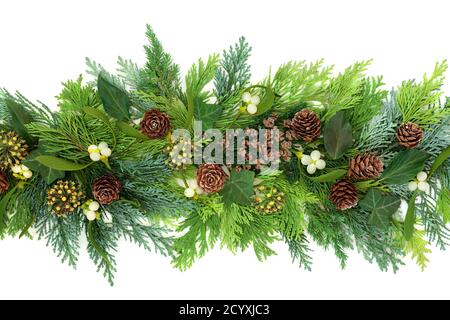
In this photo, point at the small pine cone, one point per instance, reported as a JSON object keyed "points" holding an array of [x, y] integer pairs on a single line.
{"points": [[344, 195], [156, 124], [409, 135], [305, 125], [269, 123], [211, 178], [106, 189], [4, 183], [365, 166]]}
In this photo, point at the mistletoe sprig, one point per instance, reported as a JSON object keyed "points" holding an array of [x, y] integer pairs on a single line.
{"points": [[110, 162]]}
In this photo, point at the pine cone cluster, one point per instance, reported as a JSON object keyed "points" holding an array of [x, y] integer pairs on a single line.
{"points": [[211, 178], [305, 125], [156, 124], [344, 195], [64, 197], [365, 166], [4, 183], [285, 140], [106, 189], [409, 135], [13, 149]]}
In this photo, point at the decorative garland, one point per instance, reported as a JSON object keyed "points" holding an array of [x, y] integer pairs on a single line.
{"points": [[344, 154]]}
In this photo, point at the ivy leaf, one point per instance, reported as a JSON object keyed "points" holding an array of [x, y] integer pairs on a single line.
{"points": [[239, 188], [441, 158], [404, 167], [61, 164], [330, 176], [131, 131], [49, 174], [207, 113], [115, 100], [410, 218], [20, 118], [381, 206], [338, 136], [267, 102]]}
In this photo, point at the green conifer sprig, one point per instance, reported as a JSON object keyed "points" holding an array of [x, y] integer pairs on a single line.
{"points": [[165, 211]]}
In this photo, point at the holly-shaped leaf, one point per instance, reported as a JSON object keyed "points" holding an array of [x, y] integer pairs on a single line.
{"points": [[207, 113], [49, 174], [239, 188], [404, 167], [381, 207], [115, 100], [337, 136]]}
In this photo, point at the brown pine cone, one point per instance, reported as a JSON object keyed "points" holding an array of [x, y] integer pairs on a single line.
{"points": [[4, 183], [344, 195], [211, 178], [365, 166], [156, 124], [409, 135], [106, 189], [305, 125]]}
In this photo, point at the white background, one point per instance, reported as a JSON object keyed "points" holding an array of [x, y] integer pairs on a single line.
{"points": [[44, 42]]}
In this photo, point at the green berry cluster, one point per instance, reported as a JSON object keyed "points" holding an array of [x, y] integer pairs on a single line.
{"points": [[13, 149], [179, 154], [64, 197], [269, 200]]}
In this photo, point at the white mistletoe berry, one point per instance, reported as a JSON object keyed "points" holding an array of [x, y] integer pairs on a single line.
{"points": [[423, 186], [94, 206], [420, 183], [252, 109], [422, 176], [16, 169], [90, 215], [95, 156], [412, 186], [189, 193], [321, 164], [315, 155], [103, 145], [106, 152], [306, 160], [311, 169], [313, 162], [255, 100], [93, 149], [247, 97], [27, 174]]}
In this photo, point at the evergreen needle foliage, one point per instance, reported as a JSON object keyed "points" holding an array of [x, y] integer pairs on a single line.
{"points": [[104, 165]]}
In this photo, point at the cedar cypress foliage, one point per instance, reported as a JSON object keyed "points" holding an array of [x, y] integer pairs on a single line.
{"points": [[96, 132]]}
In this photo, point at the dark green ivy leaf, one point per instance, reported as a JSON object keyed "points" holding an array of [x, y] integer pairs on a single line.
{"points": [[115, 100], [20, 118], [60, 164], [410, 218], [404, 167], [239, 188], [267, 102], [49, 174], [337, 136], [381, 206], [207, 113]]}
